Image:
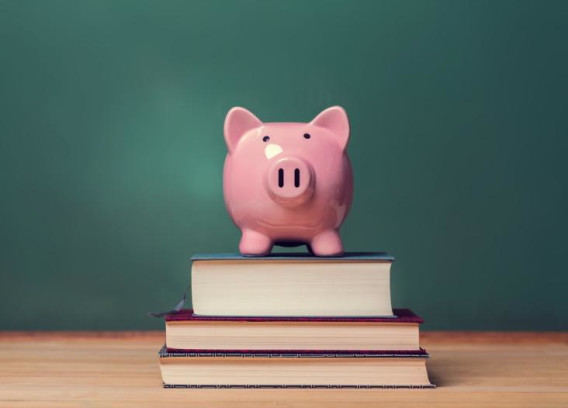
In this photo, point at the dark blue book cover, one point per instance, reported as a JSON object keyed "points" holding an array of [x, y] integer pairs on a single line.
{"points": [[348, 256]]}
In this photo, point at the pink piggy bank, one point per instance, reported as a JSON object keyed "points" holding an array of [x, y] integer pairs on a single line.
{"points": [[288, 183]]}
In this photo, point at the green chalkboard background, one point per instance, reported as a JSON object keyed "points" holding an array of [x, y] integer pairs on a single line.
{"points": [[111, 148]]}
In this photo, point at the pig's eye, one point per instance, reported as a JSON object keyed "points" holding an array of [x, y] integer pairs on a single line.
{"points": [[266, 138], [306, 136]]}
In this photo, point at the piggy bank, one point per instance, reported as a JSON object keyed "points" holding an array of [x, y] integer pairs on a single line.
{"points": [[288, 183]]}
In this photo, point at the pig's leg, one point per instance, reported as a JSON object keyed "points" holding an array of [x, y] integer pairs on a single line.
{"points": [[327, 243], [254, 243]]}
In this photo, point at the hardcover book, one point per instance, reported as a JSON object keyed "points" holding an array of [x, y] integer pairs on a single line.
{"points": [[294, 370], [186, 331], [353, 285]]}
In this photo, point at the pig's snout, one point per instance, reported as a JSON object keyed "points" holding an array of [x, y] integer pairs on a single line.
{"points": [[290, 180]]}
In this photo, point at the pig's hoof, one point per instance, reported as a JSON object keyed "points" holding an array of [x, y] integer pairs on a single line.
{"points": [[255, 243], [327, 243]]}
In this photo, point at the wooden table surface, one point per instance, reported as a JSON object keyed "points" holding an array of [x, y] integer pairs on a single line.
{"points": [[121, 370]]}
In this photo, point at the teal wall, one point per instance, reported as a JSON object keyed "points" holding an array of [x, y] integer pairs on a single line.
{"points": [[111, 148]]}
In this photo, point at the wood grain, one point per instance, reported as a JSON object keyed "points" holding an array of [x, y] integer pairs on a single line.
{"points": [[120, 369]]}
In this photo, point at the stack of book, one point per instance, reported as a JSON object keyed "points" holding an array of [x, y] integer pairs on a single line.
{"points": [[292, 321]]}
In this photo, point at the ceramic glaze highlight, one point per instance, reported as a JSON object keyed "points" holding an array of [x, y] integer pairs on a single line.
{"points": [[288, 183]]}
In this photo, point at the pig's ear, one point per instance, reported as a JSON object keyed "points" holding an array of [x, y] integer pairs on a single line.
{"points": [[335, 120], [237, 123]]}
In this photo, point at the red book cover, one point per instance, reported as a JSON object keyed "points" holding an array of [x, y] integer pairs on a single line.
{"points": [[401, 316]]}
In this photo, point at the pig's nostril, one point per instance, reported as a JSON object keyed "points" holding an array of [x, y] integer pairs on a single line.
{"points": [[297, 178], [280, 178]]}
